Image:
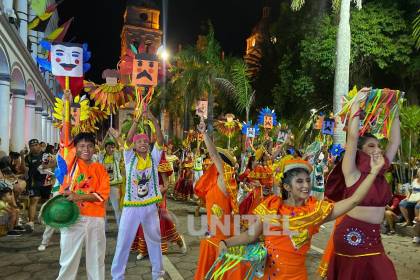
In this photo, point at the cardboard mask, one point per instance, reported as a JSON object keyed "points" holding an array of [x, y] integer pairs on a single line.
{"points": [[319, 122], [145, 71], [201, 108], [67, 60], [250, 133], [268, 122], [328, 127], [281, 137], [75, 115]]}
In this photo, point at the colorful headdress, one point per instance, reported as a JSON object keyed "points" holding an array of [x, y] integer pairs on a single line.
{"points": [[250, 130], [227, 156], [139, 136], [164, 166], [377, 111], [267, 118], [296, 163]]}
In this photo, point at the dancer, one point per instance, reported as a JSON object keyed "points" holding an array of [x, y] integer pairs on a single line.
{"points": [[111, 160], [289, 224], [184, 186], [198, 165], [167, 226], [141, 195], [358, 252], [86, 184], [219, 190]]}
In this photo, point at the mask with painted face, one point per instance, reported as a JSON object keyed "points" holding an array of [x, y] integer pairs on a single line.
{"points": [[67, 60]]}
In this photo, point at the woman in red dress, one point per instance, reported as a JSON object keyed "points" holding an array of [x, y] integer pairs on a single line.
{"points": [[357, 252]]}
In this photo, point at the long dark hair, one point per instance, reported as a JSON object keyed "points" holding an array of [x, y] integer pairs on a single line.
{"points": [[288, 177], [362, 140]]}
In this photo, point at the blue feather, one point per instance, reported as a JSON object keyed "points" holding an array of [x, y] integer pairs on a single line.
{"points": [[46, 45], [86, 67], [61, 169], [44, 64]]}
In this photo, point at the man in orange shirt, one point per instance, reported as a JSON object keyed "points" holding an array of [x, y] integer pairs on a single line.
{"points": [[86, 184]]}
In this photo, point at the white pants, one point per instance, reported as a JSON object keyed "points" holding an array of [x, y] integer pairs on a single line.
{"points": [[48, 233], [197, 175], [114, 198], [131, 218], [88, 230]]}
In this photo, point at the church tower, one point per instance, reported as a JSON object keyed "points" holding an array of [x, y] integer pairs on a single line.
{"points": [[141, 27]]}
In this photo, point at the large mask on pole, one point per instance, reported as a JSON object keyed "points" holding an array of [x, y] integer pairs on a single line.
{"points": [[67, 60], [145, 70]]}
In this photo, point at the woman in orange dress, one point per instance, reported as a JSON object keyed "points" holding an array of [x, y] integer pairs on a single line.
{"points": [[288, 225], [219, 190]]}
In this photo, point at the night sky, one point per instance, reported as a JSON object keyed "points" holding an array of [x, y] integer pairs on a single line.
{"points": [[99, 23]]}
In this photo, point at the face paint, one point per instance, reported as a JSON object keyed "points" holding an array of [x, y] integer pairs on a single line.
{"points": [[145, 72], [67, 60]]}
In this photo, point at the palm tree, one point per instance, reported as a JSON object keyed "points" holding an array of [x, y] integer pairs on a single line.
{"points": [[196, 73], [239, 87], [342, 68], [416, 30]]}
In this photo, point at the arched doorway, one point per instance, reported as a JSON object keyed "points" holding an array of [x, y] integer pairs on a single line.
{"points": [[4, 102], [17, 117]]}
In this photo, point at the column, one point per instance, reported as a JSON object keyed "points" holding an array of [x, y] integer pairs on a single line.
{"points": [[8, 8], [49, 130], [44, 117], [30, 120], [33, 37], [4, 108], [38, 123], [17, 138], [22, 13]]}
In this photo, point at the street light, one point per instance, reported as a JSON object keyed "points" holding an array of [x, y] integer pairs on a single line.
{"points": [[163, 53], [313, 111]]}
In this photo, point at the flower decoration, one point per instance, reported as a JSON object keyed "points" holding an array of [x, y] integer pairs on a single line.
{"points": [[111, 94], [228, 127], [336, 150]]}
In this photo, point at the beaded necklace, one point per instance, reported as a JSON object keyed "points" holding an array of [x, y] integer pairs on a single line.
{"points": [[130, 172]]}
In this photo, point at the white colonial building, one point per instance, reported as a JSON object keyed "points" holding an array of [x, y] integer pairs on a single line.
{"points": [[26, 94]]}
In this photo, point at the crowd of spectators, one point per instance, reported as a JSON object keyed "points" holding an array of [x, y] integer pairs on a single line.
{"points": [[26, 178]]}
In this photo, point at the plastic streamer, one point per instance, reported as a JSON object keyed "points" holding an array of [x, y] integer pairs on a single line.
{"points": [[377, 111], [254, 254]]}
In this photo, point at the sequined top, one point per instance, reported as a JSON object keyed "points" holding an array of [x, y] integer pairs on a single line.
{"points": [[291, 230]]}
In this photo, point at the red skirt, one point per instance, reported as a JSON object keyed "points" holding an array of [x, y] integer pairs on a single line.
{"points": [[359, 253], [184, 188]]}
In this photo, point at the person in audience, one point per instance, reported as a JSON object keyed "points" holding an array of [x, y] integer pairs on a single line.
{"points": [[412, 201], [393, 213], [8, 209]]}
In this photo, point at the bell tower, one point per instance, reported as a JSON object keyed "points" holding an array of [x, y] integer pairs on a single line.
{"points": [[141, 27]]}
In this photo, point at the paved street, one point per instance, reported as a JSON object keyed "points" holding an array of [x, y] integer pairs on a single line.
{"points": [[20, 260]]}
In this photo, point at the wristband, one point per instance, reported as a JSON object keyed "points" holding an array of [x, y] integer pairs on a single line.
{"points": [[374, 174]]}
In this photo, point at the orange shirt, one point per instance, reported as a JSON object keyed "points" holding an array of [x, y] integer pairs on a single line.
{"points": [[87, 178], [287, 247]]}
